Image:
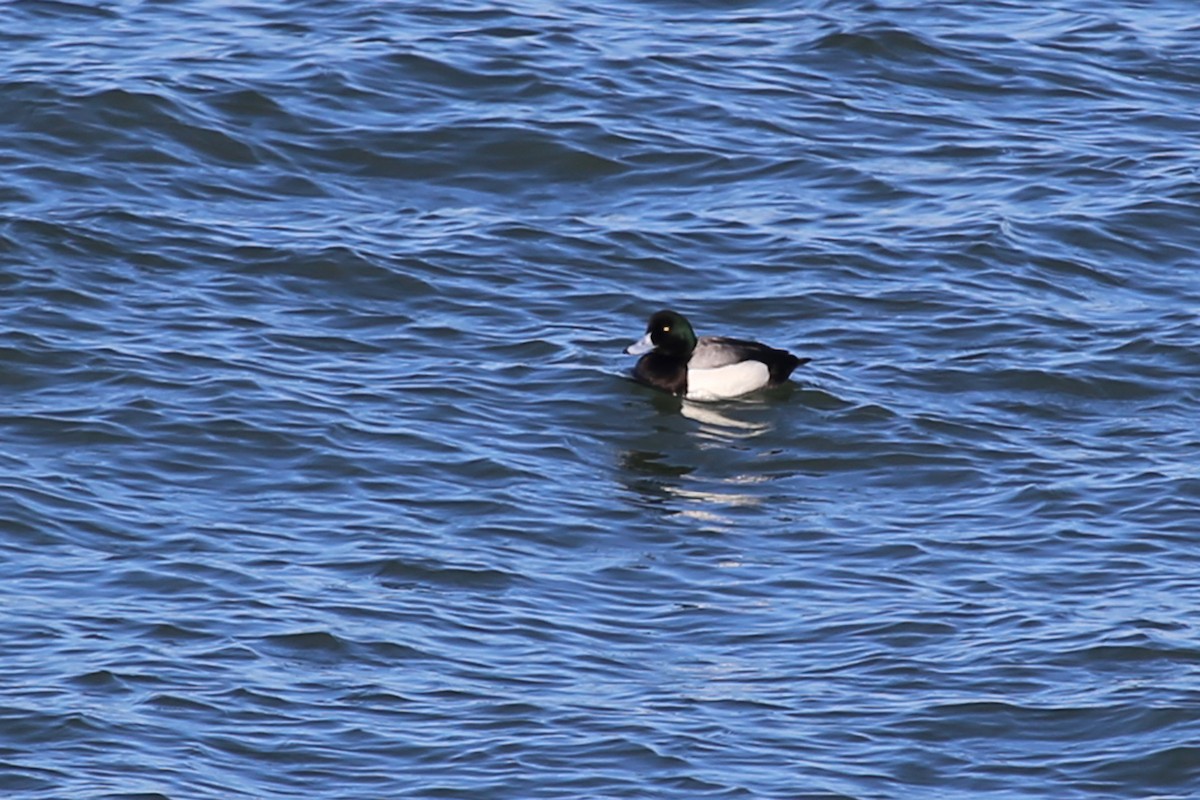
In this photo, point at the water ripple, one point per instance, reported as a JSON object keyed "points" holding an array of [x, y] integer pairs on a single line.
{"points": [[321, 468]]}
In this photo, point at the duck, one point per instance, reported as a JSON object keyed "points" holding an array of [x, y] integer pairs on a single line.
{"points": [[708, 368]]}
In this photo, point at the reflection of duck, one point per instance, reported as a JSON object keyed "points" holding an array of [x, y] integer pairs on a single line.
{"points": [[708, 368], [718, 425], [677, 490]]}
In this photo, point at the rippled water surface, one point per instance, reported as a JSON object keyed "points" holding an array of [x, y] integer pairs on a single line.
{"points": [[321, 472]]}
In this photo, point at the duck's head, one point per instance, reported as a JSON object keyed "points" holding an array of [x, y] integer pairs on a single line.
{"points": [[669, 333]]}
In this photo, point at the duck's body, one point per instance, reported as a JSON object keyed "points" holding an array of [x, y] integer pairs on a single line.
{"points": [[709, 367]]}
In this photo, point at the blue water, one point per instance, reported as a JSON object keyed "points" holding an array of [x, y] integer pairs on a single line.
{"points": [[321, 474]]}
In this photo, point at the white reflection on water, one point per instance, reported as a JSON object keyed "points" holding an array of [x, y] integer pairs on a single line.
{"points": [[723, 423], [703, 469], [704, 501], [707, 501]]}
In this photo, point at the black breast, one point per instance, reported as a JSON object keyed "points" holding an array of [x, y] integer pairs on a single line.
{"points": [[668, 373]]}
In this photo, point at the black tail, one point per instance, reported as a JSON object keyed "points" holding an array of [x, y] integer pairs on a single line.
{"points": [[781, 364]]}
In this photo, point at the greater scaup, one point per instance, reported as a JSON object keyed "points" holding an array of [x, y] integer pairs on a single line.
{"points": [[708, 368]]}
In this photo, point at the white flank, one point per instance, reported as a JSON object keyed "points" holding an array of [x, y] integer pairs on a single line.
{"points": [[729, 381]]}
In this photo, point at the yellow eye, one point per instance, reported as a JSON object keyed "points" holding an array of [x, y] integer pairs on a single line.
{"points": [[666, 329]]}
